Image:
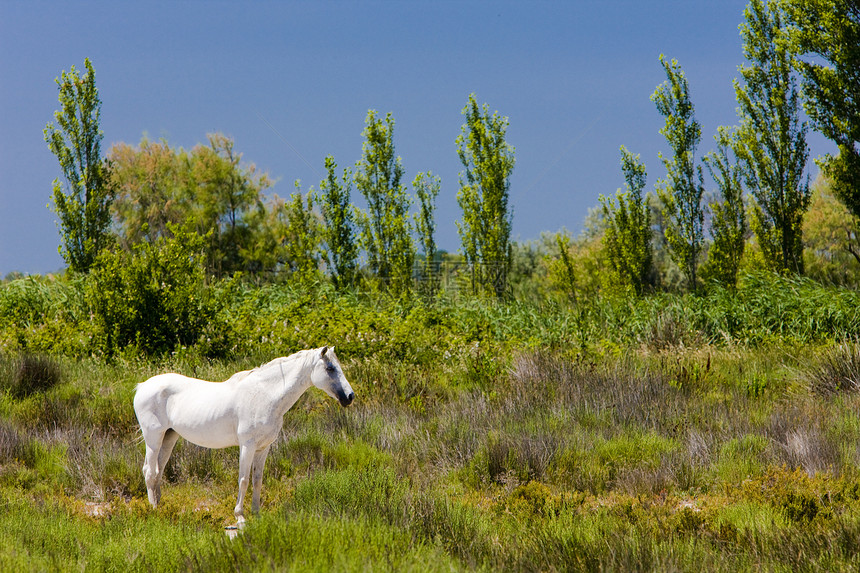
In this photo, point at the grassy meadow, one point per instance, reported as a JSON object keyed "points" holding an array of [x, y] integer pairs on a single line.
{"points": [[716, 431]]}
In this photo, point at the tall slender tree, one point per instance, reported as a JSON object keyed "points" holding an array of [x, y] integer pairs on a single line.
{"points": [[341, 251], [771, 138], [84, 208], [303, 234], [386, 229], [728, 222], [825, 40], [681, 192], [427, 186], [627, 237], [485, 230]]}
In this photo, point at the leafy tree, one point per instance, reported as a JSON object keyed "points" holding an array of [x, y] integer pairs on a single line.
{"points": [[266, 252], [564, 274], [627, 236], [153, 183], [681, 192], [224, 192], [426, 186], [831, 241], [828, 33], [485, 230], [728, 224], [338, 224], [771, 139], [303, 236], [386, 234], [84, 210], [207, 190]]}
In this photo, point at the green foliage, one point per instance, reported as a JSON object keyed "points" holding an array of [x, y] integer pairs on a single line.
{"points": [[302, 237], [485, 230], [728, 223], [575, 268], [825, 40], [681, 192], [208, 190], [339, 226], [385, 226], [832, 247], [627, 237], [771, 139], [84, 210], [224, 194], [153, 299], [426, 186], [44, 314], [565, 273], [154, 185]]}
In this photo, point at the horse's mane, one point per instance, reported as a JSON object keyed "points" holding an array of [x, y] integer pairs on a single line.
{"points": [[238, 376]]}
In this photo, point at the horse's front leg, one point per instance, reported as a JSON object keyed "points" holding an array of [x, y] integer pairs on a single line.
{"points": [[259, 464], [246, 456]]}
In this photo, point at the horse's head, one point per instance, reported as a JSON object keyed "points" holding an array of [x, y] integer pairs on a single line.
{"points": [[328, 376]]}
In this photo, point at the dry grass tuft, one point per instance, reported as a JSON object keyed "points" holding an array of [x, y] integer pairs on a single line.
{"points": [[31, 373], [836, 369]]}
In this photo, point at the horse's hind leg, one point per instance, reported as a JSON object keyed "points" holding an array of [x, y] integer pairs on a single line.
{"points": [[150, 472], [167, 443]]}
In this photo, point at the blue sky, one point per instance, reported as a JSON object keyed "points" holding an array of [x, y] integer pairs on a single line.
{"points": [[574, 78]]}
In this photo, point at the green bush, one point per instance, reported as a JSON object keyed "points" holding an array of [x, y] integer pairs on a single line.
{"points": [[153, 299]]}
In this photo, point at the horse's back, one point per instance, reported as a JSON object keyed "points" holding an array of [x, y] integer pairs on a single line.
{"points": [[200, 411]]}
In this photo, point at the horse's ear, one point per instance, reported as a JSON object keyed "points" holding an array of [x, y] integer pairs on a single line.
{"points": [[324, 350]]}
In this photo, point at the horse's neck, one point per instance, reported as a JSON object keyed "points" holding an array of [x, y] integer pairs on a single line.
{"points": [[288, 380]]}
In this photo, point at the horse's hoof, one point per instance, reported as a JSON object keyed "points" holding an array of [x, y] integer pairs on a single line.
{"points": [[232, 531]]}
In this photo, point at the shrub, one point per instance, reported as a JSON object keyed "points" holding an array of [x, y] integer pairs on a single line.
{"points": [[154, 298]]}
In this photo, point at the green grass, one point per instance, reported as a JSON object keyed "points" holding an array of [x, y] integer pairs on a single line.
{"points": [[668, 455], [666, 433]]}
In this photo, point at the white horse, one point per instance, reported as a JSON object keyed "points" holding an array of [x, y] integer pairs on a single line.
{"points": [[246, 410]]}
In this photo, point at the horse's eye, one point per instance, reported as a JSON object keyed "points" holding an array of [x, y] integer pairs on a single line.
{"points": [[330, 368]]}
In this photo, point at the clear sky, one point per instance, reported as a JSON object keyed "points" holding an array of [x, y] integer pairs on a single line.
{"points": [[291, 82]]}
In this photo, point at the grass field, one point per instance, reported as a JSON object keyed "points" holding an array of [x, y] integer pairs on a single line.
{"points": [[707, 458], [491, 437]]}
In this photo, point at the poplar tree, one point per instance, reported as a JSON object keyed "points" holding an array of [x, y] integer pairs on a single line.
{"points": [[681, 192], [825, 40], [771, 139], [341, 252], [728, 223], [84, 207], [302, 236], [385, 226], [627, 238], [485, 230], [426, 186]]}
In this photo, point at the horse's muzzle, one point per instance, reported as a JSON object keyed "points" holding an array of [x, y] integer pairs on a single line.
{"points": [[346, 399]]}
